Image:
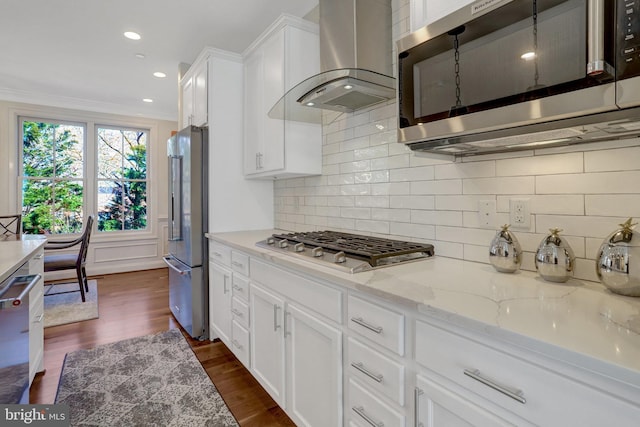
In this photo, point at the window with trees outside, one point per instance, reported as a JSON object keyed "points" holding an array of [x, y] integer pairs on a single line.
{"points": [[62, 180], [52, 177], [122, 179]]}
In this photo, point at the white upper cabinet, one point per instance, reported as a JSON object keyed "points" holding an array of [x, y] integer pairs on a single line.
{"points": [[283, 56], [194, 95], [424, 12]]}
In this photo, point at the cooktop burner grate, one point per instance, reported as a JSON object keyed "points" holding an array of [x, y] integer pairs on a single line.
{"points": [[374, 250]]}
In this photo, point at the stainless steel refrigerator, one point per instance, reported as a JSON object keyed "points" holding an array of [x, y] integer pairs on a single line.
{"points": [[188, 215]]}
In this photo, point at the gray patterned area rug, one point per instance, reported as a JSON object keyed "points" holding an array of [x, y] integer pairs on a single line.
{"points": [[154, 380]]}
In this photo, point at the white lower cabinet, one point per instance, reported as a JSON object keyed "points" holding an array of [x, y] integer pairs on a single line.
{"points": [[267, 341], [297, 357], [36, 317], [220, 302], [437, 406]]}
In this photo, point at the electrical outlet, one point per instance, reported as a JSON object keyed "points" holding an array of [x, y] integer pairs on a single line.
{"points": [[519, 213], [487, 213]]}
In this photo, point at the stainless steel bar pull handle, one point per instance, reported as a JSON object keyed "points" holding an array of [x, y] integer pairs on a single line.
{"points": [[417, 392], [595, 37], [275, 317], [516, 395], [361, 322], [360, 367], [360, 411], [237, 264], [224, 284]]}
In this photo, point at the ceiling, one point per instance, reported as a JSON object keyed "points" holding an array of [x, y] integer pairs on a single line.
{"points": [[73, 54]]}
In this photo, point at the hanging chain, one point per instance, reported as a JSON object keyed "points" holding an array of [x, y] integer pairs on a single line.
{"points": [[535, 42], [456, 46]]}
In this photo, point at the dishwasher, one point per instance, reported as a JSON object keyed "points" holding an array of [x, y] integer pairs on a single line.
{"points": [[14, 335]]}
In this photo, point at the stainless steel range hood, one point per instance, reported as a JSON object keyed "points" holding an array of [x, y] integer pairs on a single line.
{"points": [[355, 60]]}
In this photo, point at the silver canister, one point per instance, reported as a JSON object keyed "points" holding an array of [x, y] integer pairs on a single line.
{"points": [[555, 260], [505, 253], [618, 261]]}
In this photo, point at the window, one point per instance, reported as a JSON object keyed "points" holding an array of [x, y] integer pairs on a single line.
{"points": [[122, 179], [69, 170], [52, 176]]}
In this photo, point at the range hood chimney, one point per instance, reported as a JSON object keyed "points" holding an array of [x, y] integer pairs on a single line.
{"points": [[355, 62]]}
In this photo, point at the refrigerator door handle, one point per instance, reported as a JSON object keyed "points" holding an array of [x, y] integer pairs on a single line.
{"points": [[175, 180], [168, 260]]}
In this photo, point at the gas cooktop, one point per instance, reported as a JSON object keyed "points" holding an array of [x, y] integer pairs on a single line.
{"points": [[345, 251]]}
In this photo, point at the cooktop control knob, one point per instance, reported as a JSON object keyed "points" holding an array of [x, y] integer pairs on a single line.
{"points": [[316, 252], [298, 247], [283, 243], [339, 257], [271, 241]]}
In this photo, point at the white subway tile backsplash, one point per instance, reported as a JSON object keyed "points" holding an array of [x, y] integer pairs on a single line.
{"points": [[391, 189], [472, 236], [337, 158], [412, 230], [589, 183], [586, 226], [339, 136], [354, 144], [513, 185], [451, 218], [585, 270], [358, 213], [389, 137], [341, 201], [341, 223], [396, 215], [342, 179], [422, 173], [358, 166], [449, 249], [372, 201], [372, 152], [476, 253], [613, 205], [372, 177], [412, 202], [450, 186], [541, 165], [465, 170], [612, 160], [458, 202], [372, 226], [566, 204], [355, 189]]}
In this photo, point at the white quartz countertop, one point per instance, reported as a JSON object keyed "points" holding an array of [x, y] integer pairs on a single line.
{"points": [[15, 252], [578, 322]]}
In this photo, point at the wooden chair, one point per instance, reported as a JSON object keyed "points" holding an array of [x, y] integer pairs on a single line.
{"points": [[71, 261], [10, 225]]}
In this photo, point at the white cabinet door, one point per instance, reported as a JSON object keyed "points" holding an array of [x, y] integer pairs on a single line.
{"points": [[314, 370], [187, 102], [436, 406], [220, 302], [267, 341], [273, 78], [200, 97], [253, 109]]}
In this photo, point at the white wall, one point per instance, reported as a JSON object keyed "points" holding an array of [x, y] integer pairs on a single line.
{"points": [[107, 252], [373, 185]]}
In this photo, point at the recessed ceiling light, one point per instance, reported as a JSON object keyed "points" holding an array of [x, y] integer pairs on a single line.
{"points": [[528, 56], [140, 55], [160, 74], [132, 35], [347, 87], [147, 100], [310, 104]]}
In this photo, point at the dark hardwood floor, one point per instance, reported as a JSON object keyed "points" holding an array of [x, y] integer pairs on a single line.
{"points": [[136, 304]]}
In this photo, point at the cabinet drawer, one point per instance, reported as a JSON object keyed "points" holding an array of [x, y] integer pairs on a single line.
{"points": [[240, 263], [322, 299], [366, 410], [36, 263], [526, 389], [240, 311], [220, 253], [240, 287], [240, 343], [383, 326], [377, 371]]}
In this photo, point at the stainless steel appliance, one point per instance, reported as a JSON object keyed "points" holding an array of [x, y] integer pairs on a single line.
{"points": [[506, 75], [14, 335], [352, 253], [355, 62], [188, 216]]}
